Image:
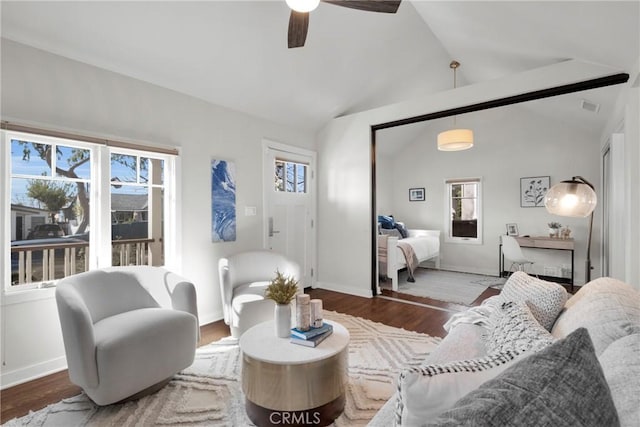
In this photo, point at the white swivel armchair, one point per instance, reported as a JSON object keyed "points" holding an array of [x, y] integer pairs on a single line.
{"points": [[512, 251], [244, 277], [126, 330]]}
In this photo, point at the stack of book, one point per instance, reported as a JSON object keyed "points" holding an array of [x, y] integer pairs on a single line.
{"points": [[312, 337]]}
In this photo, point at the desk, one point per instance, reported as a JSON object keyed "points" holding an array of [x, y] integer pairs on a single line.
{"points": [[542, 242]]}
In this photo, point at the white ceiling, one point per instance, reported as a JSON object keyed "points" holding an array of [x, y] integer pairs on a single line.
{"points": [[234, 53]]}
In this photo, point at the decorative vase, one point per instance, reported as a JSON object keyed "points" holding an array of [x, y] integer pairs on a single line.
{"points": [[283, 320], [553, 232]]}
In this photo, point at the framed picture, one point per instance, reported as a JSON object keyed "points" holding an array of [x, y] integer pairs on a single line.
{"points": [[223, 201], [416, 194], [512, 229], [532, 191]]}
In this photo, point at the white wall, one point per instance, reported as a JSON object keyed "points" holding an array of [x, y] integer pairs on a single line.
{"points": [[345, 215], [51, 91], [626, 115], [384, 184], [510, 143]]}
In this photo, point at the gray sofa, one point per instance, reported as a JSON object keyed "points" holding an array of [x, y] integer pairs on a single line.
{"points": [[487, 345]]}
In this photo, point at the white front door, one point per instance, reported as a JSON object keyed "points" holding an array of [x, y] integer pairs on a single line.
{"points": [[289, 200]]}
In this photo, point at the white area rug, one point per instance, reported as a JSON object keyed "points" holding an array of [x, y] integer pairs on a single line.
{"points": [[209, 392], [441, 285]]}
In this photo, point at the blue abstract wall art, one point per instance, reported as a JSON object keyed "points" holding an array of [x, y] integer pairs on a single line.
{"points": [[223, 201]]}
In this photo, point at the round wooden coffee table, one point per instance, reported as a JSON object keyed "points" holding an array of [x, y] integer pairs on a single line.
{"points": [[292, 385]]}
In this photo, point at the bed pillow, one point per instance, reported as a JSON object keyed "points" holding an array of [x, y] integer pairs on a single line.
{"points": [[425, 392], [387, 222], [515, 329], [545, 299], [391, 233], [561, 386], [402, 229]]}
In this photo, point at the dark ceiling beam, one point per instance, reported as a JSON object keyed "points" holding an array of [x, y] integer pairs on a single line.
{"points": [[611, 80]]}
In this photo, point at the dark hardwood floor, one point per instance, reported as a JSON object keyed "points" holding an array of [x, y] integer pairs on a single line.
{"points": [[412, 313]]}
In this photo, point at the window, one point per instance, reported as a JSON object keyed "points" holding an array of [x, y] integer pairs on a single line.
{"points": [[77, 205], [137, 197], [49, 204], [463, 210], [291, 177]]}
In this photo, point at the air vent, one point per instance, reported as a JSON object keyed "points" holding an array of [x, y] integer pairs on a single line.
{"points": [[589, 106]]}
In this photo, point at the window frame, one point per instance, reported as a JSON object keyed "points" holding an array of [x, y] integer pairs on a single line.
{"points": [[100, 242], [296, 184], [448, 205]]}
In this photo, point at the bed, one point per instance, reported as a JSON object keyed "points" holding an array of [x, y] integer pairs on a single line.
{"points": [[425, 245]]}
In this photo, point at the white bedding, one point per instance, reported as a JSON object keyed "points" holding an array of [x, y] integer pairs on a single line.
{"points": [[425, 247]]}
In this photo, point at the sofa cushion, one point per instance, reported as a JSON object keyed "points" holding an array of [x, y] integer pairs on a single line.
{"points": [[608, 308], [620, 363], [515, 328], [562, 385], [427, 391], [545, 299]]}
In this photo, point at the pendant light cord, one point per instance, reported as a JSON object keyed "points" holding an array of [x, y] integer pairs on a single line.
{"points": [[454, 65]]}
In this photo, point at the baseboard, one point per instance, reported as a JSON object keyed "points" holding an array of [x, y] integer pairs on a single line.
{"points": [[28, 373], [207, 318], [350, 290], [466, 269]]}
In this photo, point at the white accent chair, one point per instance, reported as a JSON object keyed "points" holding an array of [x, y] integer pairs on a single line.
{"points": [[126, 330], [244, 277], [512, 251]]}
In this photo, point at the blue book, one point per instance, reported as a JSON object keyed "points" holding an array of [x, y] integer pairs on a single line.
{"points": [[314, 341], [305, 335]]}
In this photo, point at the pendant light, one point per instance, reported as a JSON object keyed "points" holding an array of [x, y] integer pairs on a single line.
{"points": [[455, 139], [303, 5]]}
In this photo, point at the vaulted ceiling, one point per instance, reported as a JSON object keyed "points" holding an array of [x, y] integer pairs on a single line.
{"points": [[234, 53]]}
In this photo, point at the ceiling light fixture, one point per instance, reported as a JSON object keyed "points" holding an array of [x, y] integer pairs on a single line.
{"points": [[455, 139], [575, 198], [303, 5]]}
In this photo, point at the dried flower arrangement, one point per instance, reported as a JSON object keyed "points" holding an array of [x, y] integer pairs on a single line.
{"points": [[282, 289]]}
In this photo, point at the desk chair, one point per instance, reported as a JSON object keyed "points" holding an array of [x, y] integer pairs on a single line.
{"points": [[511, 250]]}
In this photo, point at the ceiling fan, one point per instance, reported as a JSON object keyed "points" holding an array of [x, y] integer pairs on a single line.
{"points": [[299, 19]]}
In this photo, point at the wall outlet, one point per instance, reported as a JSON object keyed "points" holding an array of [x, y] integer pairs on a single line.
{"points": [[250, 211]]}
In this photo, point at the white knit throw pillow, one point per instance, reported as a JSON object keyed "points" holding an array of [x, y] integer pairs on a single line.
{"points": [[545, 299]]}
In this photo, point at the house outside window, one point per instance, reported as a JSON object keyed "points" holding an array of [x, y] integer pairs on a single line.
{"points": [[74, 206], [463, 210]]}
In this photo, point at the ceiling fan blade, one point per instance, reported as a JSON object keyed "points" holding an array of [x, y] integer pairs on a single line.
{"points": [[298, 26], [384, 6]]}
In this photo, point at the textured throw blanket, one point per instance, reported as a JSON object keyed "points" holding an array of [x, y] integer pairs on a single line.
{"points": [[479, 315], [410, 258], [407, 250]]}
